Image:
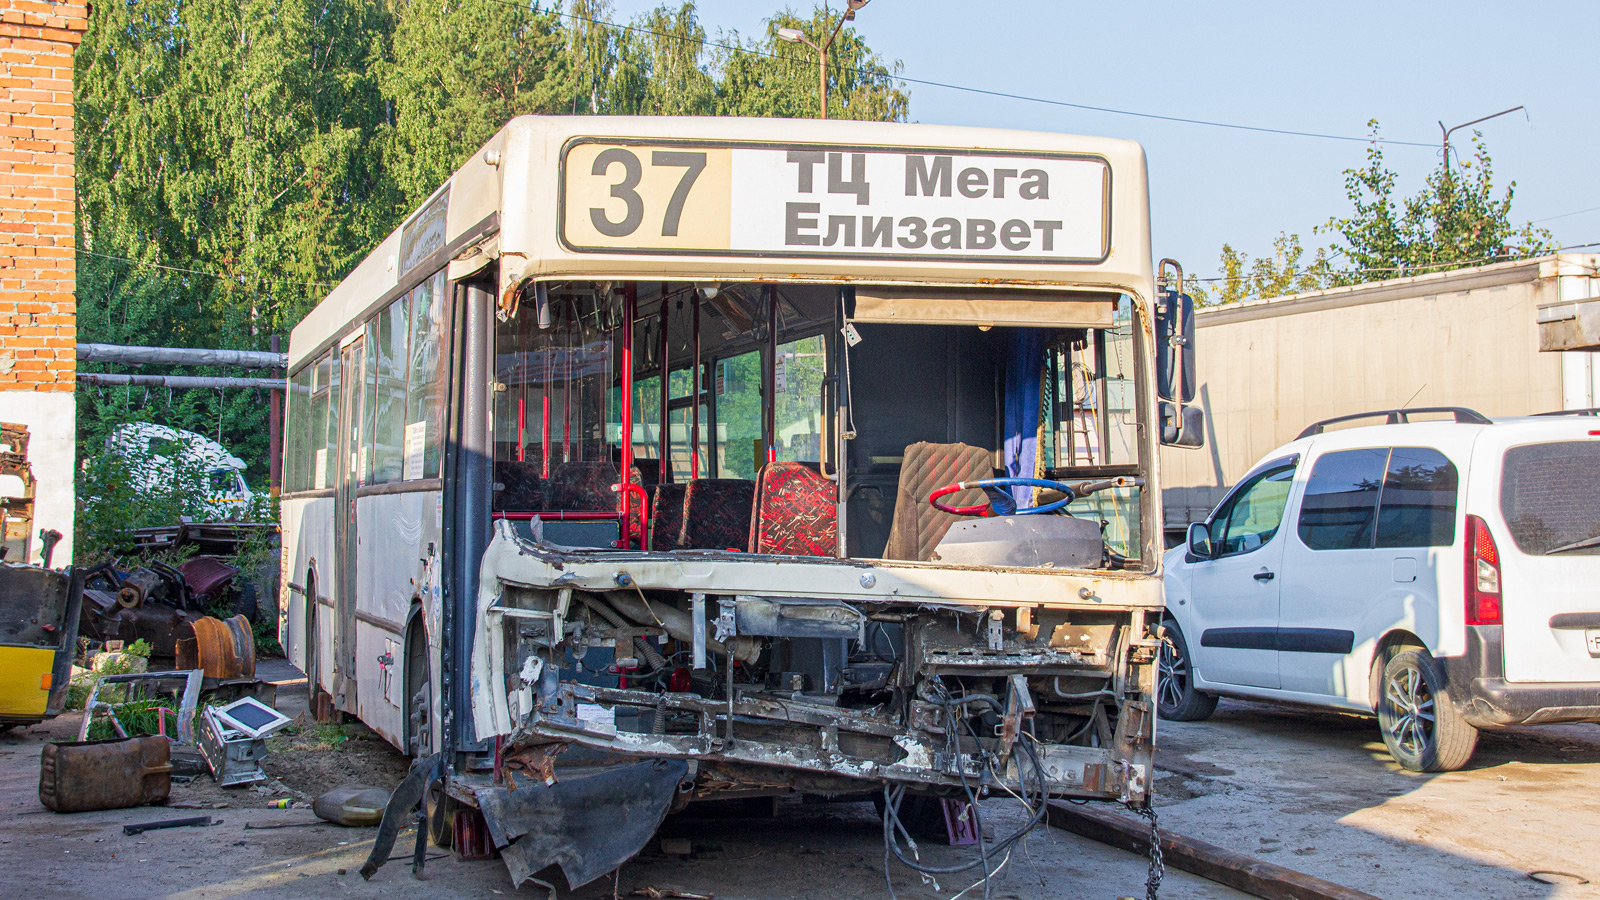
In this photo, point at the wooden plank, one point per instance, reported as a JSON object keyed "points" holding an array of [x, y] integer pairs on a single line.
{"points": [[1246, 873]]}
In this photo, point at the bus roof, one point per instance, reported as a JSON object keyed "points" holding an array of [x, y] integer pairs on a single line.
{"points": [[745, 199]]}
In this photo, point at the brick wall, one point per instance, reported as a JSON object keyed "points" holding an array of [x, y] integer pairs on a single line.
{"points": [[37, 310], [38, 331]]}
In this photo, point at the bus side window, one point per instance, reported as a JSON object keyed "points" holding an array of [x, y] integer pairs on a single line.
{"points": [[738, 389], [801, 367]]}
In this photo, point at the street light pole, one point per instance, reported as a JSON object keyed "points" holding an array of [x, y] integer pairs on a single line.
{"points": [[1449, 131], [796, 36]]}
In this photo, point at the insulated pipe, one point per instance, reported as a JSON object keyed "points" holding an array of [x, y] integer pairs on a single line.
{"points": [[651, 655], [678, 624], [103, 379], [180, 356]]}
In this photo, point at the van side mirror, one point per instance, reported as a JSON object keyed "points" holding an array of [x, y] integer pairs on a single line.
{"points": [[1182, 426], [1200, 540]]}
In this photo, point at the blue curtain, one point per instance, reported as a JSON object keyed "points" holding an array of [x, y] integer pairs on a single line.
{"points": [[1024, 367]]}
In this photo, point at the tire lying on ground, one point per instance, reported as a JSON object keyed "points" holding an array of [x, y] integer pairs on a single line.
{"points": [[1418, 717]]}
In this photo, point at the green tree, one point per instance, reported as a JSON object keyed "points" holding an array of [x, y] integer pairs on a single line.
{"points": [[232, 144], [771, 77], [1458, 219], [460, 70], [1269, 276], [236, 159]]}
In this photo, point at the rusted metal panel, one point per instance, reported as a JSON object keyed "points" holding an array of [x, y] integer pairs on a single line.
{"points": [[83, 776], [223, 648], [1570, 325]]}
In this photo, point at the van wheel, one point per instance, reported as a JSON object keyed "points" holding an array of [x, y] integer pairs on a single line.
{"points": [[1420, 724], [1176, 696]]}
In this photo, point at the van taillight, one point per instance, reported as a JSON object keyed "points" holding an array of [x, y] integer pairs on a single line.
{"points": [[1483, 575]]}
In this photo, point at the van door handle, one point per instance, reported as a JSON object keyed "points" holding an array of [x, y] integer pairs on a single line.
{"points": [[1264, 575]]}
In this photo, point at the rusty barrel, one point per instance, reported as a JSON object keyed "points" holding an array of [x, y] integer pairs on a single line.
{"points": [[224, 648], [88, 775]]}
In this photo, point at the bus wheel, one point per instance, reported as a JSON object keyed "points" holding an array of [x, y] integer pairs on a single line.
{"points": [[419, 687], [312, 664]]}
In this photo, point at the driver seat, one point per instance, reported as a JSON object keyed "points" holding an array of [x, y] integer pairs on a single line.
{"points": [[917, 527]]}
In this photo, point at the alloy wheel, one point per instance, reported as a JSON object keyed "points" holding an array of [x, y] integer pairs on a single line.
{"points": [[1413, 703], [1172, 674]]}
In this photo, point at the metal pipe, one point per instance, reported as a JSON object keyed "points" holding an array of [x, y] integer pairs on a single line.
{"points": [[664, 435], [630, 307], [102, 379], [694, 432], [274, 433], [770, 425], [181, 356]]}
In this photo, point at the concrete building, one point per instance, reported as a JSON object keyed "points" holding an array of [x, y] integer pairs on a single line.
{"points": [[1468, 337], [38, 319]]}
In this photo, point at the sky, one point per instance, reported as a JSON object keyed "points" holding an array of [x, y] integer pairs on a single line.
{"points": [[1327, 68]]}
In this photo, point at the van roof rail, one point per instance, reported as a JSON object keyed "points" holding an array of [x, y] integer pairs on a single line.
{"points": [[1570, 412], [1462, 415]]}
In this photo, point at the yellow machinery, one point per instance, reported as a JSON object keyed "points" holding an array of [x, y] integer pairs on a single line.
{"points": [[38, 632]]}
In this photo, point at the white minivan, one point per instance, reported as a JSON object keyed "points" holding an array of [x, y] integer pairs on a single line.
{"points": [[1444, 574]]}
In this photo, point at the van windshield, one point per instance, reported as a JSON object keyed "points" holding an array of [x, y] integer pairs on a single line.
{"points": [[1550, 496]]}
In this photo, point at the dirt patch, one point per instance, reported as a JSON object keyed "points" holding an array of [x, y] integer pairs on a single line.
{"points": [[304, 761]]}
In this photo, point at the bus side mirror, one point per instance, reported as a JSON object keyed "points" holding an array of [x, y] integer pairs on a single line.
{"points": [[1175, 370], [1199, 540], [1182, 426]]}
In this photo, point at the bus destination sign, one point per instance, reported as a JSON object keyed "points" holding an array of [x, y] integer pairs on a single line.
{"points": [[665, 197]]}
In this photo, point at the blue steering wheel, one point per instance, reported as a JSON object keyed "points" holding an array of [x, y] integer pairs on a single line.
{"points": [[1001, 503]]}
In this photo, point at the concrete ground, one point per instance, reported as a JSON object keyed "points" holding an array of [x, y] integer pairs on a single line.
{"points": [[1317, 792], [1311, 791]]}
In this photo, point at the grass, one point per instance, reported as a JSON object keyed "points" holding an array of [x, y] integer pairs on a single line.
{"points": [[313, 738]]}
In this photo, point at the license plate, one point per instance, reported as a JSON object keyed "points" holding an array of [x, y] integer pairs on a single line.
{"points": [[1593, 634]]}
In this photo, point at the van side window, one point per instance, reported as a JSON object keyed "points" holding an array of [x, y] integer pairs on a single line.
{"points": [[1252, 515], [1418, 504], [1341, 502]]}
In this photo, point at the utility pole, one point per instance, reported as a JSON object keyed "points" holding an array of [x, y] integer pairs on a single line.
{"points": [[796, 36], [1448, 131]]}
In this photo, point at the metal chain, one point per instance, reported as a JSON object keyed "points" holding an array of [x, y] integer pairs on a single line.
{"points": [[1158, 868]]}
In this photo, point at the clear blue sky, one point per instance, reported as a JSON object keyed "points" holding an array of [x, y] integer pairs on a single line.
{"points": [[1325, 67]]}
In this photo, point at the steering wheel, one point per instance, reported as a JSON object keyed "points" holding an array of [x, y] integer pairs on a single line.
{"points": [[1000, 503]]}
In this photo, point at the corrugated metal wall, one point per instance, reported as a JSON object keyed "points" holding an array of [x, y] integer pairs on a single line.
{"points": [[1464, 338]]}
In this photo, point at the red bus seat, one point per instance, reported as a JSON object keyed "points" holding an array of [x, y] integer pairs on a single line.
{"points": [[795, 512]]}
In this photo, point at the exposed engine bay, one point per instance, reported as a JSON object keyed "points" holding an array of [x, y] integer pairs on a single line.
{"points": [[845, 691]]}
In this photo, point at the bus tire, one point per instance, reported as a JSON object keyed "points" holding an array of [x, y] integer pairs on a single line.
{"points": [[419, 693], [312, 663]]}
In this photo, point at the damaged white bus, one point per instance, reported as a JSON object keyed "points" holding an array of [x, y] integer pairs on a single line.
{"points": [[655, 460]]}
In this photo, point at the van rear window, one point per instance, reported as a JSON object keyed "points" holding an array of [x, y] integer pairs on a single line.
{"points": [[1550, 495]]}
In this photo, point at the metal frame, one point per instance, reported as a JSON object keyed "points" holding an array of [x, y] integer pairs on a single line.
{"points": [[1463, 416]]}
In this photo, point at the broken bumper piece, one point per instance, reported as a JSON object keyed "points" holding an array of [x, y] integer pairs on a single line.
{"points": [[590, 822]]}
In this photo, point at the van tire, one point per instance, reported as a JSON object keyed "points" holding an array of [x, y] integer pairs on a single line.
{"points": [[1417, 715], [1177, 699]]}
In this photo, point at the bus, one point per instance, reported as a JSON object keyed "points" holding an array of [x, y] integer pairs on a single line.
{"points": [[654, 460]]}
